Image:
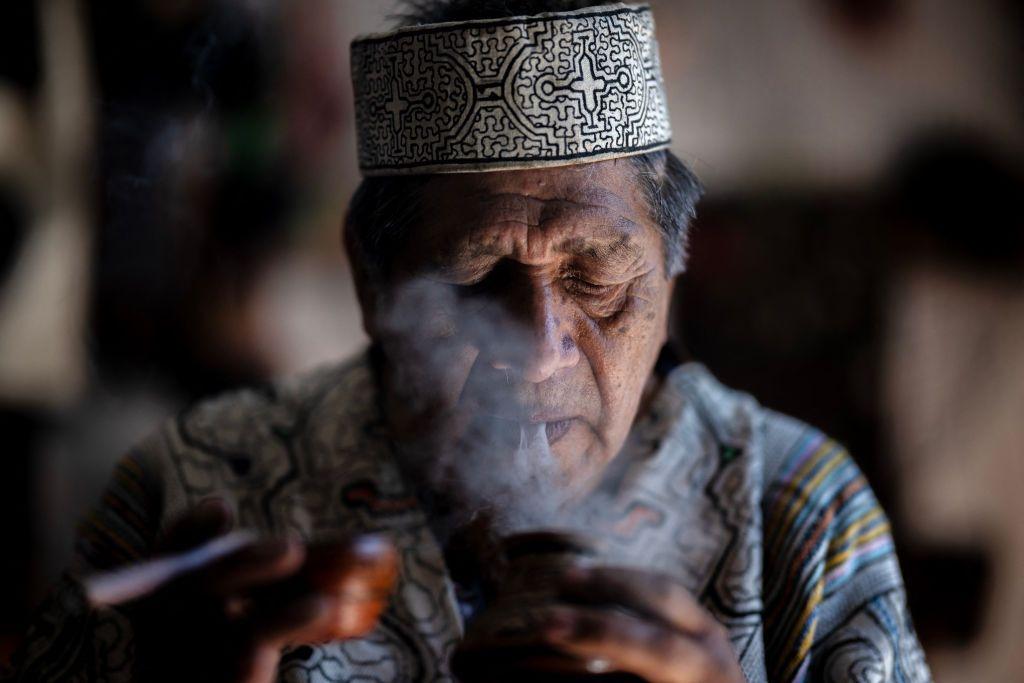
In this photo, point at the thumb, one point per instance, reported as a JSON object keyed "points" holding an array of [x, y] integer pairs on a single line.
{"points": [[260, 665]]}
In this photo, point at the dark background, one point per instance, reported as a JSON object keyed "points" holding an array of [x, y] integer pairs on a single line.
{"points": [[173, 174]]}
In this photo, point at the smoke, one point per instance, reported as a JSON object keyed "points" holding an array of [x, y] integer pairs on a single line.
{"points": [[469, 443]]}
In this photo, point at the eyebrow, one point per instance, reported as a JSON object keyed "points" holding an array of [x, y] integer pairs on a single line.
{"points": [[617, 248], [619, 251], [603, 199]]}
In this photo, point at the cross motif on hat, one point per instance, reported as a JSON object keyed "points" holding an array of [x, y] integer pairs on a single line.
{"points": [[396, 106], [588, 83]]}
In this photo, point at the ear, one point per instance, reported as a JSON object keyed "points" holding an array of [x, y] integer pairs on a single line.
{"points": [[366, 286]]}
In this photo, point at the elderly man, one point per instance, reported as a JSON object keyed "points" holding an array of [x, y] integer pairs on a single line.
{"points": [[515, 244]]}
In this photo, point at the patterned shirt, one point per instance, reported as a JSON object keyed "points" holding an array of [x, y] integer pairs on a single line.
{"points": [[766, 520]]}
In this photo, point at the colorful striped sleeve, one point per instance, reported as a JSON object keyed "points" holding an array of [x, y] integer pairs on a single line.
{"points": [[123, 526], [834, 599]]}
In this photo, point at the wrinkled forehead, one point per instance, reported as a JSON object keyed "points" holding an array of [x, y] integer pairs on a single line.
{"points": [[594, 203]]}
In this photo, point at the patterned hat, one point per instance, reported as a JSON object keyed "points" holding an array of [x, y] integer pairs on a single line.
{"points": [[510, 93]]}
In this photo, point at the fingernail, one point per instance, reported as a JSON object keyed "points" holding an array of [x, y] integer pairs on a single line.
{"points": [[295, 545]]}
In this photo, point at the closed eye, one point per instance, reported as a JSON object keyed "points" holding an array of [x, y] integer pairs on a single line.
{"points": [[575, 282]]}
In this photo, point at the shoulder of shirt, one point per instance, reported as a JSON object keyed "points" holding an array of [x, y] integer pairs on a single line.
{"points": [[787, 446], [232, 427], [287, 396], [827, 544], [216, 447], [284, 400], [733, 417]]}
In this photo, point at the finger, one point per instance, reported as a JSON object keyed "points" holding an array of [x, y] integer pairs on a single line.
{"points": [[211, 517], [259, 563], [649, 595], [621, 642], [289, 622]]}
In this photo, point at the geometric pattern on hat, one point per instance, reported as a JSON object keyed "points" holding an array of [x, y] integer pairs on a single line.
{"points": [[510, 93]]}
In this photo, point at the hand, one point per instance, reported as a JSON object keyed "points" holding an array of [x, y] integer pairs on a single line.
{"points": [[228, 620], [637, 622]]}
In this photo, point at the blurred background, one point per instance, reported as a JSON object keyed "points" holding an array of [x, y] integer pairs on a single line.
{"points": [[173, 175]]}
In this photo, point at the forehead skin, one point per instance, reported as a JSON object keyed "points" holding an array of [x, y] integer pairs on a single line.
{"points": [[592, 211]]}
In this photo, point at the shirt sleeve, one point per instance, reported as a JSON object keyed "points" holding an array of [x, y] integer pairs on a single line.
{"points": [[68, 640], [835, 606]]}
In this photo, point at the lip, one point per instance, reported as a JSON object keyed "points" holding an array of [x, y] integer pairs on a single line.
{"points": [[549, 417], [532, 419], [556, 426], [556, 429]]}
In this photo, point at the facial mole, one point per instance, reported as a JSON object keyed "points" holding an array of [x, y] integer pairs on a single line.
{"points": [[567, 344]]}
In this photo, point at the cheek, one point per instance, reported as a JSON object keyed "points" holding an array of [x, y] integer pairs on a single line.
{"points": [[429, 369], [429, 377], [622, 350]]}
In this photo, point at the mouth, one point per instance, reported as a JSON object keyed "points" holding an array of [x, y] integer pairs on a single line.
{"points": [[508, 431]]}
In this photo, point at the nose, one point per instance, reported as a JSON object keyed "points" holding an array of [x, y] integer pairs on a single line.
{"points": [[542, 343]]}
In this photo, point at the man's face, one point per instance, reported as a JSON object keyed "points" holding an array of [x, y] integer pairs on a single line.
{"points": [[526, 303]]}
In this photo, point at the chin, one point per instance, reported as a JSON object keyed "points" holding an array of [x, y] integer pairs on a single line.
{"points": [[581, 457]]}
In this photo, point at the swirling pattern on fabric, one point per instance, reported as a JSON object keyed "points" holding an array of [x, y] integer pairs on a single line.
{"points": [[768, 522]]}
